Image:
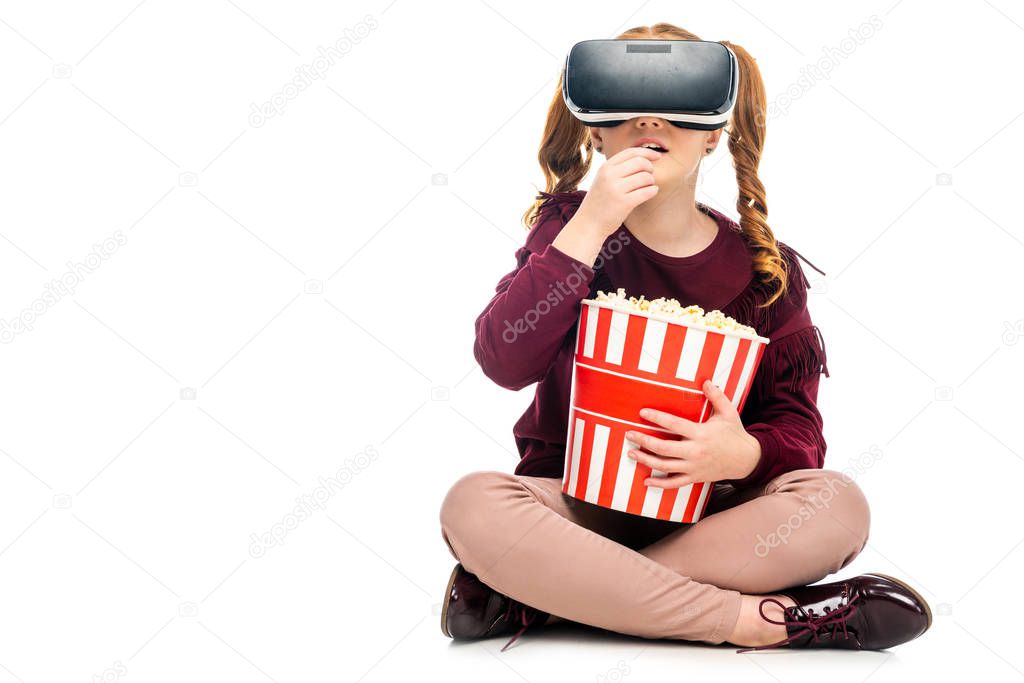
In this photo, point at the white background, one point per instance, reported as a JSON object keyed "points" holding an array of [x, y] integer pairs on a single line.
{"points": [[313, 278]]}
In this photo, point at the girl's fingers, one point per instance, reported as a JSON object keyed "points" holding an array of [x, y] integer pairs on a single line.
{"points": [[655, 462], [653, 444], [634, 164], [631, 152], [637, 181], [674, 423], [642, 194], [673, 482]]}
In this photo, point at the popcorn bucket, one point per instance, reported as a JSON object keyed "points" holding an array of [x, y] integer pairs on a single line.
{"points": [[628, 360]]}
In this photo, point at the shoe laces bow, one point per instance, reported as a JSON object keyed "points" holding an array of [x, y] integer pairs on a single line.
{"points": [[801, 622]]}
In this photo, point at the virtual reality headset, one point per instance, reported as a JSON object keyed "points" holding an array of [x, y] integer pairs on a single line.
{"points": [[689, 83]]}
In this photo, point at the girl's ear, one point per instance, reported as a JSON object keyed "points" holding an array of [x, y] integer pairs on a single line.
{"points": [[713, 138]]}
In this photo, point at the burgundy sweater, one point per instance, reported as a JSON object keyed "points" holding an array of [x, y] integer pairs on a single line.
{"points": [[526, 333]]}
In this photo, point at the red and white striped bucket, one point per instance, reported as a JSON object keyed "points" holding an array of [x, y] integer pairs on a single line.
{"points": [[625, 361]]}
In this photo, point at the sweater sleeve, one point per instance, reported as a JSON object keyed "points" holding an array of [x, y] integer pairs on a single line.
{"points": [[781, 410], [521, 329]]}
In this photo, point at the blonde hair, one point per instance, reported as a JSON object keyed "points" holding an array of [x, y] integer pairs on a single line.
{"points": [[567, 150]]}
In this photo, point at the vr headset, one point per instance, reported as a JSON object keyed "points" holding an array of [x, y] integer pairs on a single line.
{"points": [[689, 83]]}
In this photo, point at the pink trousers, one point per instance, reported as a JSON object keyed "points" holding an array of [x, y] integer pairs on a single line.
{"points": [[525, 538]]}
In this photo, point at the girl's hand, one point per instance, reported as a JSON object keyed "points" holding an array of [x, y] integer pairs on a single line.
{"points": [[623, 182], [709, 451]]}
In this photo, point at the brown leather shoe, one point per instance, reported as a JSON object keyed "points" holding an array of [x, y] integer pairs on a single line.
{"points": [[868, 612], [472, 609]]}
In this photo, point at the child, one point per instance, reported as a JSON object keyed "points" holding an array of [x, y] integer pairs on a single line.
{"points": [[776, 521]]}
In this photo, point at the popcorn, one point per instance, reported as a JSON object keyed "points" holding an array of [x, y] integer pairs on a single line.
{"points": [[675, 312]]}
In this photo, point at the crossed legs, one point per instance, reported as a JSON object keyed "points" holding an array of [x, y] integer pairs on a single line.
{"points": [[523, 537]]}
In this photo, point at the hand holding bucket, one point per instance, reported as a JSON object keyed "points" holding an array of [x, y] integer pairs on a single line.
{"points": [[628, 360], [717, 449]]}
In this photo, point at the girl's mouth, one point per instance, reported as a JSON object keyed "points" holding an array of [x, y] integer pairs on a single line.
{"points": [[651, 143]]}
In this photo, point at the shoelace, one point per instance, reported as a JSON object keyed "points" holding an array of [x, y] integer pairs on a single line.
{"points": [[832, 618], [526, 616]]}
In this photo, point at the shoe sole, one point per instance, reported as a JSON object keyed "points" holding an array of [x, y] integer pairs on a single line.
{"points": [[920, 599], [447, 598]]}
